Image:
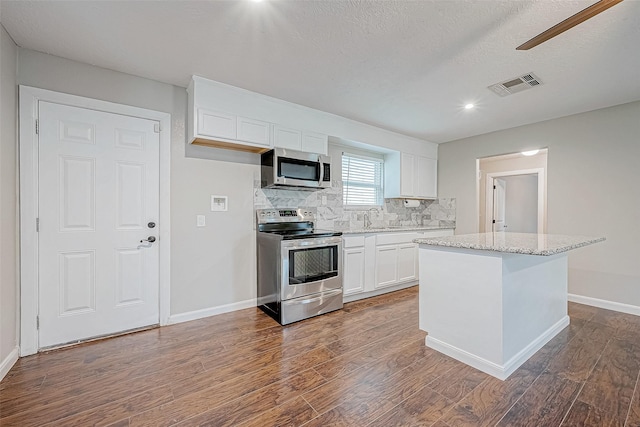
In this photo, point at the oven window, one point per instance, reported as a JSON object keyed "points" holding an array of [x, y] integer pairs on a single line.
{"points": [[312, 264], [298, 169]]}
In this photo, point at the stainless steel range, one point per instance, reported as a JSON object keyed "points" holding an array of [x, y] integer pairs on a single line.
{"points": [[299, 267]]}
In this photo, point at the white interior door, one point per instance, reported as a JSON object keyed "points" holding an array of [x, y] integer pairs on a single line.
{"points": [[98, 187], [499, 205], [521, 203]]}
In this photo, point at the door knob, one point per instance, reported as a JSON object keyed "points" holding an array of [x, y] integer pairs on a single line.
{"points": [[149, 239]]}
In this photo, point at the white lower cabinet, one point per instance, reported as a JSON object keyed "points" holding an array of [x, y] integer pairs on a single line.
{"points": [[376, 263], [386, 266], [353, 271], [396, 263], [407, 262]]}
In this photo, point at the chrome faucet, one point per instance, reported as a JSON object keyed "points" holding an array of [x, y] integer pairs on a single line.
{"points": [[367, 219]]}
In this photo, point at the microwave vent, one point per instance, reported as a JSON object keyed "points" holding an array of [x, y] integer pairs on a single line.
{"points": [[515, 85]]}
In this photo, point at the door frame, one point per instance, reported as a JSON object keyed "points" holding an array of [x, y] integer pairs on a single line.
{"points": [[28, 113], [488, 196]]}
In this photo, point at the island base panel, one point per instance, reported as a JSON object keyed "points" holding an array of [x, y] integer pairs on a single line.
{"points": [[491, 310]]}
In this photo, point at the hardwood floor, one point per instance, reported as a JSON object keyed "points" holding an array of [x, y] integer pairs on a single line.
{"points": [[365, 365]]}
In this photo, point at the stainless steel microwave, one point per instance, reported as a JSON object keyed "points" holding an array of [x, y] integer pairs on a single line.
{"points": [[284, 168]]}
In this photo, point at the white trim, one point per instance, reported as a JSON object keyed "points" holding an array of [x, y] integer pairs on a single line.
{"points": [[8, 362], [211, 311], [501, 372], [606, 304], [488, 201], [29, 98]]}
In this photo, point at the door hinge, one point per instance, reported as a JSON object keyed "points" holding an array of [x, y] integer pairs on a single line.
{"points": [[37, 225], [157, 128], [37, 322], [494, 187], [37, 127], [494, 221]]}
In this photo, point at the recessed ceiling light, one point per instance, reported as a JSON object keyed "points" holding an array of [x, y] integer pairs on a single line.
{"points": [[530, 153], [469, 106]]}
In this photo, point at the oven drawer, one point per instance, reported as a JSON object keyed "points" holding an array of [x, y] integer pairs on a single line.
{"points": [[312, 305]]}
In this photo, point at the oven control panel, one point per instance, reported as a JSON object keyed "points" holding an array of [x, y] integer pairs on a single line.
{"points": [[285, 215]]}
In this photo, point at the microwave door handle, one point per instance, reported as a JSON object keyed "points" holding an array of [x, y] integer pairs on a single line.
{"points": [[321, 170]]}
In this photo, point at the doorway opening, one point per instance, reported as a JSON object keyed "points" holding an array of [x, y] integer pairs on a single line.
{"points": [[512, 193]]}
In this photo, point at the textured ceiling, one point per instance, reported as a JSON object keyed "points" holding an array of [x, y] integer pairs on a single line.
{"points": [[407, 66]]}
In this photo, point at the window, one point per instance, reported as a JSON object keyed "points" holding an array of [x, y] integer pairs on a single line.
{"points": [[362, 180]]}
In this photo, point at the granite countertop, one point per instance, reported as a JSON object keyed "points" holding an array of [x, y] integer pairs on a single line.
{"points": [[517, 243], [395, 228]]}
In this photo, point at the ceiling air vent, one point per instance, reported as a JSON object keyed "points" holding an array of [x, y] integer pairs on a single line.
{"points": [[511, 86]]}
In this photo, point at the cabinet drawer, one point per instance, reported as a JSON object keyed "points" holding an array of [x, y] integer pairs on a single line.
{"points": [[352, 241], [395, 238]]}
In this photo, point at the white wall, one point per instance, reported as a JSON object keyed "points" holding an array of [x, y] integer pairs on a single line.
{"points": [[213, 266], [8, 200], [592, 189]]}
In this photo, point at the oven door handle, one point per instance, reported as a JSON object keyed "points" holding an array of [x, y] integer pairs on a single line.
{"points": [[325, 294]]}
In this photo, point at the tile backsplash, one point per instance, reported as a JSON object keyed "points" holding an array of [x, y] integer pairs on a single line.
{"points": [[332, 215]]}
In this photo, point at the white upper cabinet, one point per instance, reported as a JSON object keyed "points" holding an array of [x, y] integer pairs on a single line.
{"points": [[254, 131], [427, 177], [313, 142], [284, 137], [226, 123], [410, 176], [216, 124], [296, 139]]}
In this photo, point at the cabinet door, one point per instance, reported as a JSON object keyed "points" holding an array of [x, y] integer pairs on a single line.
{"points": [[314, 142], [216, 124], [426, 177], [407, 262], [386, 266], [254, 131], [353, 271], [407, 175], [287, 138]]}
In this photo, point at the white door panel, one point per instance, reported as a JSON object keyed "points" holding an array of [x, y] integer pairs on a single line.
{"points": [[499, 205], [98, 190]]}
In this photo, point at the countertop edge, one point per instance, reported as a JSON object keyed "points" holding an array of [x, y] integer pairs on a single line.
{"points": [[512, 250]]}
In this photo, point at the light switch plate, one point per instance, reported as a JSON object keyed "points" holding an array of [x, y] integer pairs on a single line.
{"points": [[200, 221], [218, 203]]}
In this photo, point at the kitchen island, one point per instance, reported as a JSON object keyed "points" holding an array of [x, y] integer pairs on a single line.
{"points": [[491, 300]]}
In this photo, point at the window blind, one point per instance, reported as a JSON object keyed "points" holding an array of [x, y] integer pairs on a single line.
{"points": [[362, 181]]}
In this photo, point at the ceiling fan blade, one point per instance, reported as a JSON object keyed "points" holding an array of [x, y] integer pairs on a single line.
{"points": [[568, 23]]}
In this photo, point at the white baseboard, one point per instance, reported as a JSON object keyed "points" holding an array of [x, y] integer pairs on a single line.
{"points": [[501, 372], [211, 311], [8, 362], [603, 303]]}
